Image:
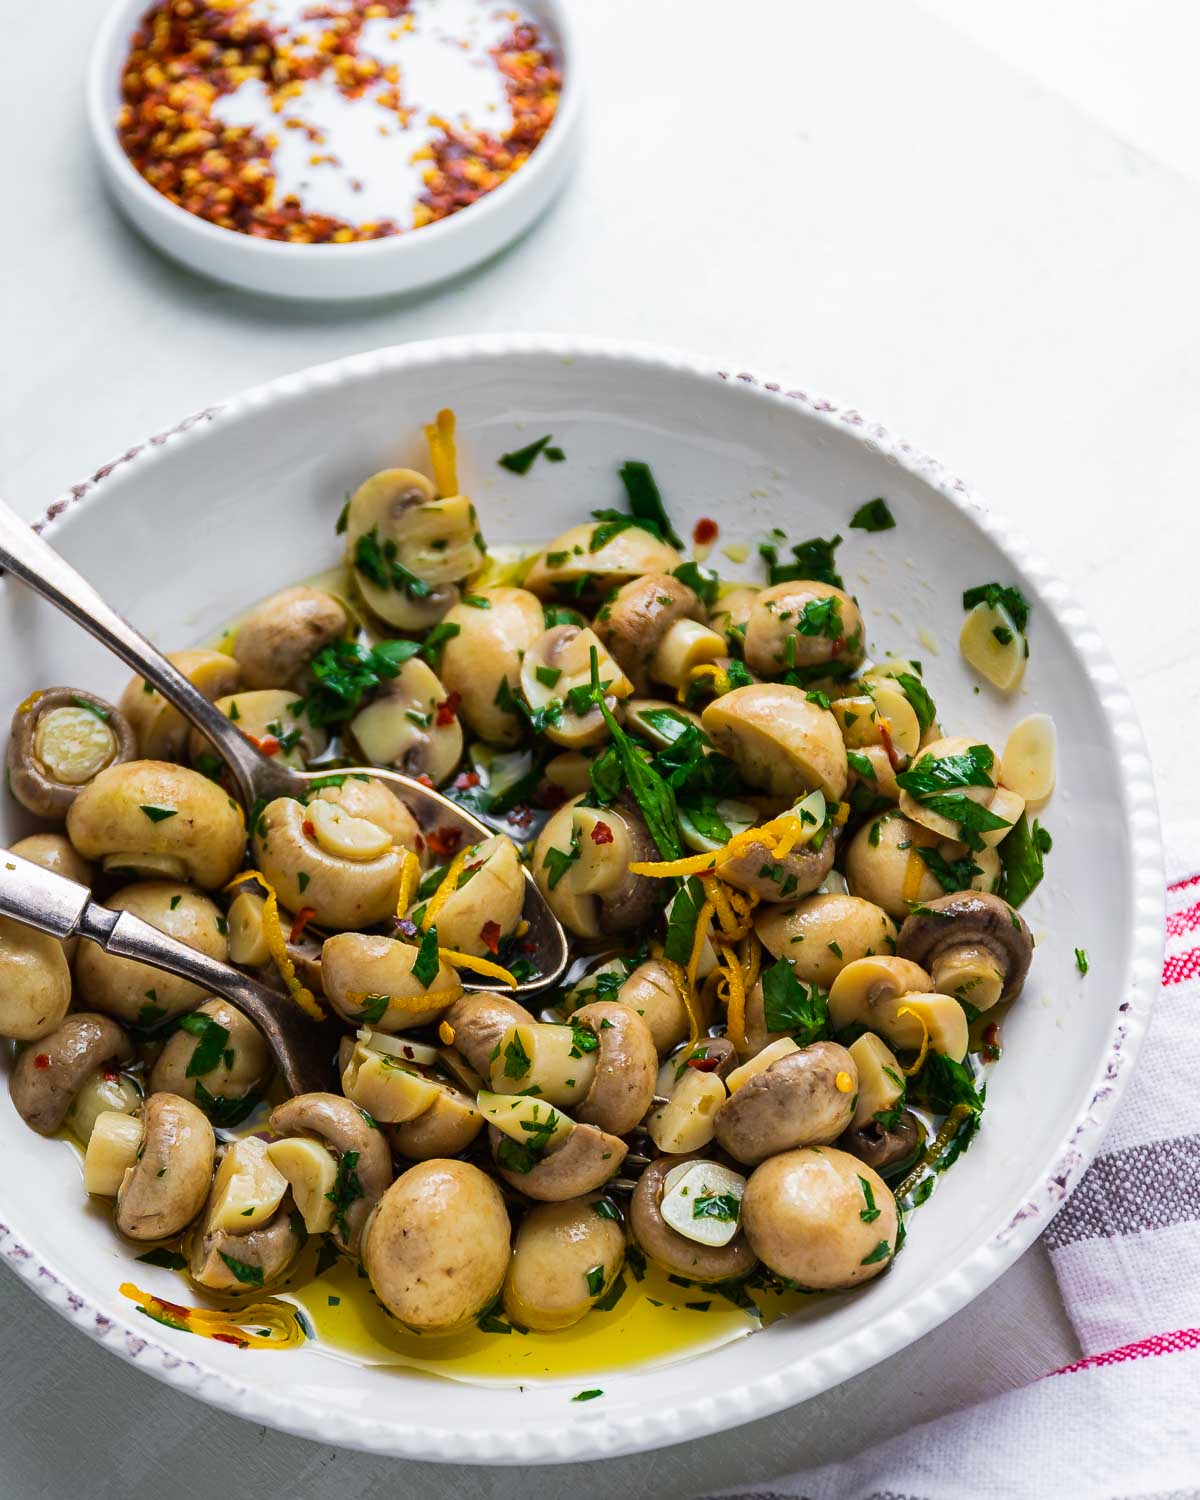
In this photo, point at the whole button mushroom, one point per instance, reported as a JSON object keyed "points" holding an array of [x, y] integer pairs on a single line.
{"points": [[893, 996], [565, 1258], [60, 739], [35, 982], [626, 1072], [166, 1187], [47, 1077], [280, 636], [369, 979], [823, 933], [495, 628], [134, 992], [974, 945], [653, 628], [780, 741], [802, 624], [569, 566], [228, 1056], [804, 1099], [581, 864], [674, 1252], [820, 1218], [883, 866], [271, 719], [437, 1246], [652, 993], [162, 731], [56, 853], [373, 801], [153, 817], [411, 725], [364, 1161]]}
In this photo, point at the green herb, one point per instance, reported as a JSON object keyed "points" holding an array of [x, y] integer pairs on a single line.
{"points": [[923, 1190], [92, 708], [1010, 599], [1081, 960], [612, 1296], [951, 875], [818, 697], [477, 601], [943, 1083], [880, 1252], [607, 1209], [547, 676], [707, 821], [722, 1206], [834, 948], [234, 714], [343, 519], [346, 1190], [972, 818], [425, 968], [343, 672], [1003, 634], [703, 582], [437, 638], [211, 1038], [298, 1227], [158, 814], [247, 1275], [873, 516], [645, 502], [517, 1061], [889, 1119], [587, 1395], [595, 1280], [789, 1005], [922, 704], [150, 1015], [820, 617], [869, 1214], [521, 460], [681, 924], [374, 1008], [582, 1040], [860, 764], [931, 775], [559, 614], [490, 1321], [558, 861], [554, 454], [381, 566], [1022, 866], [169, 1260], [224, 1112]]}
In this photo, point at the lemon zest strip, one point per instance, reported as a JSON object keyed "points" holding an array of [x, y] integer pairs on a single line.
{"points": [[479, 965], [442, 454], [410, 875], [277, 946], [444, 891], [907, 1010]]}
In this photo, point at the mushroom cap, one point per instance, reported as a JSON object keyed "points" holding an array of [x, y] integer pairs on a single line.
{"points": [[479, 1020], [47, 1076], [883, 1148], [270, 1247], [774, 640], [780, 741], [355, 965], [673, 1251], [584, 1161], [975, 918], [795, 1102], [344, 894], [283, 633], [627, 554], [35, 982], [167, 1186], [56, 853], [559, 1246], [344, 1129], [633, 622], [243, 1067], [486, 651], [162, 731], [803, 933], [796, 874], [437, 1246], [30, 780], [446, 1128], [626, 1067], [651, 992]]}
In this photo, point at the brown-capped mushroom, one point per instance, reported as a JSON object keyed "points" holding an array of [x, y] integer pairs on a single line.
{"points": [[803, 1099], [162, 731], [883, 864], [166, 1187], [626, 1067], [974, 945], [61, 738], [262, 1254], [803, 624], [885, 1147], [755, 869], [583, 1162], [565, 1258], [411, 725], [674, 1252], [364, 1160], [653, 626], [477, 1023], [271, 718], [652, 993], [48, 1074], [280, 636]]}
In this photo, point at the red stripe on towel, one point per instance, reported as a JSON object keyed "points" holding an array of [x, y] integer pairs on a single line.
{"points": [[1161, 1343]]}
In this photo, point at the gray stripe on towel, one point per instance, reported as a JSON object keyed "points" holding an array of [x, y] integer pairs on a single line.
{"points": [[1125, 1192]]}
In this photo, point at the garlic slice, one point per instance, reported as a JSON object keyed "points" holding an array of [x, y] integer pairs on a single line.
{"points": [[1029, 765], [311, 1171], [991, 643], [702, 1201], [112, 1149], [344, 836], [400, 1046]]}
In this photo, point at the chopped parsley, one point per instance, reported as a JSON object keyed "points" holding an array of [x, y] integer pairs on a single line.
{"points": [[158, 814], [1081, 960], [1010, 599], [814, 560], [169, 1260], [347, 1189], [346, 670], [645, 501], [881, 1252], [869, 1214], [952, 874], [789, 1005], [587, 1395], [211, 1038], [933, 775], [922, 704], [722, 1206], [380, 565], [517, 1061], [873, 516], [702, 581], [373, 1010], [1021, 859], [595, 1280], [559, 861], [425, 968], [521, 460], [247, 1275]]}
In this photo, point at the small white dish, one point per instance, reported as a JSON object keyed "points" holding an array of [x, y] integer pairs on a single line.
{"points": [[370, 268], [184, 530]]}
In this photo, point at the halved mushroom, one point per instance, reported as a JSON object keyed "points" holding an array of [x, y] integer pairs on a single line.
{"points": [[478, 1021], [883, 864], [581, 865], [556, 1063], [810, 1216], [731, 613], [482, 662], [373, 801], [959, 749], [755, 869], [412, 725], [134, 992], [573, 565], [804, 1099], [657, 721], [222, 1261], [446, 1128], [674, 1252], [233, 1066], [485, 906], [565, 1258], [345, 869], [557, 665], [975, 946], [270, 718], [652, 993], [46, 1077], [654, 628], [364, 1161], [437, 1247], [150, 817], [582, 1162], [280, 636], [369, 980], [824, 933], [780, 741], [103, 1091], [165, 1188], [162, 731], [35, 982], [893, 997], [61, 738], [802, 624], [54, 852], [409, 548], [626, 1070], [887, 1148]]}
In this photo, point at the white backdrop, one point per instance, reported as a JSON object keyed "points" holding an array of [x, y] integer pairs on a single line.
{"points": [[978, 223]]}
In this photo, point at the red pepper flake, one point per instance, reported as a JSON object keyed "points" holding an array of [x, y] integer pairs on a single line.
{"points": [[447, 711], [490, 933], [601, 833], [706, 532], [704, 1064], [41, 1060], [425, 779], [885, 735], [269, 745], [464, 779], [991, 1043], [521, 816], [444, 841], [228, 1338], [303, 917], [307, 829], [111, 1075]]}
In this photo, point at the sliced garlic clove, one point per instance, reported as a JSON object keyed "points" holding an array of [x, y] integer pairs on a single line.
{"points": [[880, 1078], [111, 1151], [702, 1201], [247, 1189], [1029, 765], [99, 1093], [760, 1062], [386, 1088], [400, 1046], [311, 1172], [685, 1122], [345, 836], [991, 643], [898, 715], [524, 1118], [247, 940]]}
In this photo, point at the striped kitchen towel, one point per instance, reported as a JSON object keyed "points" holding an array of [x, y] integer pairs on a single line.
{"points": [[1123, 1421]]}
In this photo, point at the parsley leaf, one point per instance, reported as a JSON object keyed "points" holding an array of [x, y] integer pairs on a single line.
{"points": [[681, 924], [931, 775], [645, 502], [972, 818], [789, 1005], [703, 582], [559, 862], [380, 565], [343, 672], [158, 814], [425, 968], [722, 1206], [869, 1214], [1021, 860], [247, 1275], [169, 1260], [873, 516], [951, 875], [922, 704], [521, 460], [347, 1189], [1010, 599], [211, 1038], [1081, 960], [517, 1061], [814, 560]]}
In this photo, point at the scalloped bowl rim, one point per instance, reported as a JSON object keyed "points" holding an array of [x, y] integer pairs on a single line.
{"points": [[900, 1325]]}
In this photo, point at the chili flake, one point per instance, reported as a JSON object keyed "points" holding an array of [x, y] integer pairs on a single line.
{"points": [[444, 841], [447, 711], [41, 1061], [490, 936], [303, 917], [601, 833], [705, 533]]}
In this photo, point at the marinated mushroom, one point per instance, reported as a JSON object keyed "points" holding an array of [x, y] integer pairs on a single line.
{"points": [[884, 864], [823, 933], [373, 801], [666, 1247], [47, 1077], [893, 996], [802, 624], [975, 946], [221, 1260], [886, 1147], [626, 1070], [219, 1050], [809, 1217], [56, 853], [755, 869], [477, 1022], [344, 869], [653, 626], [581, 864], [437, 1247], [574, 566], [60, 739], [149, 817], [565, 1258], [370, 980], [731, 613], [692, 1084], [481, 661], [412, 725], [446, 1128], [780, 741], [555, 669], [162, 731], [165, 1187], [134, 992], [103, 1091], [963, 767], [280, 636], [364, 1161], [582, 1161], [651, 992], [804, 1099], [270, 718], [485, 905], [35, 982]]}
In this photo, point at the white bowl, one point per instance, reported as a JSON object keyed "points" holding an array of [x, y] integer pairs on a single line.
{"points": [[369, 268], [185, 529]]}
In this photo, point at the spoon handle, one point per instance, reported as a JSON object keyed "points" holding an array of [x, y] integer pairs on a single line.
{"points": [[31, 559]]}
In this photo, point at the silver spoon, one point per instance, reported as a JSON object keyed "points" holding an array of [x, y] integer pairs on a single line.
{"points": [[258, 777], [52, 903]]}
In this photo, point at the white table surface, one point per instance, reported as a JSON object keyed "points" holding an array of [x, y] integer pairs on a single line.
{"points": [[979, 223]]}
